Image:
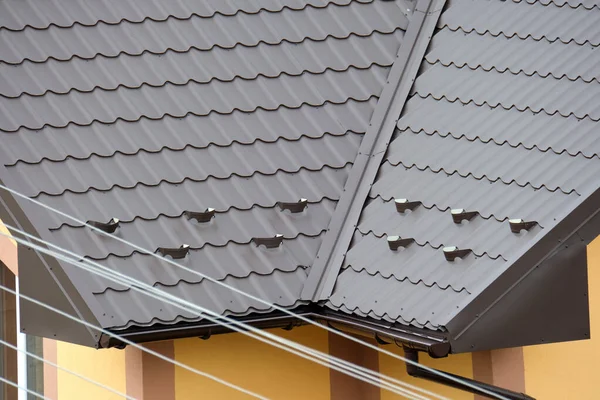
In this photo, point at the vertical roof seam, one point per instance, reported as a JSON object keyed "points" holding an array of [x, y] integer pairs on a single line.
{"points": [[325, 269]]}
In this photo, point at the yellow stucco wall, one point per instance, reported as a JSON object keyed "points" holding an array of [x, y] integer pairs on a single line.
{"points": [[104, 366], [460, 364], [568, 370], [264, 369]]}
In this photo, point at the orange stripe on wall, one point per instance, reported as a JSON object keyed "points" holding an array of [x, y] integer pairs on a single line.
{"points": [[159, 375], [50, 373]]}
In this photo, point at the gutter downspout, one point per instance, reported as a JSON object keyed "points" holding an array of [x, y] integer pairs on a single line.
{"points": [[419, 372]]}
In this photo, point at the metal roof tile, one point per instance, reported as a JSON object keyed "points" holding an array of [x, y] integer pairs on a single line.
{"points": [[231, 260], [130, 138], [501, 121], [235, 226], [538, 20], [280, 287], [450, 191], [171, 199], [198, 66], [22, 14], [418, 263], [150, 36], [492, 161], [553, 133], [200, 99], [508, 90], [144, 133], [486, 237], [514, 54], [125, 171], [416, 304]]}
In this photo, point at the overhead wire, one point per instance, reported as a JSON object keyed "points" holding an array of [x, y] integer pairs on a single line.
{"points": [[132, 344], [326, 360], [68, 371], [255, 298], [16, 385]]}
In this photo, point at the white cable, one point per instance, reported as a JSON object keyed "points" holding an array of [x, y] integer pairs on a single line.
{"points": [[16, 385], [346, 367], [68, 371], [161, 296], [255, 298], [132, 344]]}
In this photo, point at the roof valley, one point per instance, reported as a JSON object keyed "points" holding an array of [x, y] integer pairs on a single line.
{"points": [[322, 277]]}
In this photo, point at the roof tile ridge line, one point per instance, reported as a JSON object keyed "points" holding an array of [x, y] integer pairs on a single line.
{"points": [[380, 236], [155, 320], [323, 274], [484, 176], [206, 49], [492, 140], [338, 3], [420, 281], [565, 4], [370, 232], [220, 279], [188, 146], [186, 179], [254, 206], [123, 53], [211, 80], [568, 224], [434, 206], [511, 36], [189, 114], [414, 322], [509, 70], [506, 107], [206, 244]]}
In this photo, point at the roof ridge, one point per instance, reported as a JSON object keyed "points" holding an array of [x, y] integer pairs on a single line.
{"points": [[263, 9], [187, 146], [91, 188]]}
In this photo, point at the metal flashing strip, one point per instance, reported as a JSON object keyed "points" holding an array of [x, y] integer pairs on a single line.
{"points": [[330, 257]]}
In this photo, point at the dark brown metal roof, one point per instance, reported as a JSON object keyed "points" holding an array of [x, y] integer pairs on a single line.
{"points": [[145, 112], [499, 122], [427, 165]]}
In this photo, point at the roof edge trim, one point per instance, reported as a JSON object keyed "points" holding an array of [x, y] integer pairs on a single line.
{"points": [[433, 343], [330, 257], [580, 222]]}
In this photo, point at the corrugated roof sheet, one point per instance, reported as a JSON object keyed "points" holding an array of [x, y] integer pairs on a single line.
{"points": [[145, 110], [502, 120]]}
